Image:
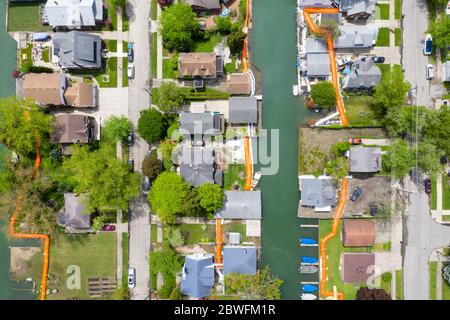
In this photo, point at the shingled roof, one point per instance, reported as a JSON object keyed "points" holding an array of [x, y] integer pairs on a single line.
{"points": [[357, 267], [243, 110], [74, 215], [358, 233], [198, 275], [244, 205], [197, 64], [45, 88]]}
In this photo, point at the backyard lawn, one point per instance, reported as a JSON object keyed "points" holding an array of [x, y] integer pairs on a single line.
{"points": [[359, 111], [382, 11], [398, 37], [208, 46], [234, 174], [195, 233], [46, 54], [25, 17], [95, 255], [25, 58], [383, 39]]}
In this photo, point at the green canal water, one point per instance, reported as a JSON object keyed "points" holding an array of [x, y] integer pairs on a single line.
{"points": [[274, 53]]}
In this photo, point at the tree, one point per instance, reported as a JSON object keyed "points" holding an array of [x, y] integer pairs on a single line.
{"points": [[118, 3], [236, 41], [98, 223], [151, 125], [179, 27], [211, 197], [121, 293], [117, 128], [262, 286], [446, 273], [169, 263], [17, 131], [176, 294], [167, 194], [151, 166], [174, 236], [223, 24], [440, 30], [323, 94], [166, 149], [435, 130], [190, 206], [398, 159], [372, 294], [170, 98], [428, 157], [390, 92]]}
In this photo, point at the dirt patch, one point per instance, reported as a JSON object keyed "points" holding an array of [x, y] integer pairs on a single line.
{"points": [[20, 266]]}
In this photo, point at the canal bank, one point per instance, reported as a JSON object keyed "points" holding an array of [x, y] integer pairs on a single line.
{"points": [[274, 53]]}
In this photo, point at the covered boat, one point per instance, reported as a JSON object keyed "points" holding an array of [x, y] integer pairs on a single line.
{"points": [[308, 241], [306, 259], [309, 288], [308, 296], [308, 269], [40, 36]]}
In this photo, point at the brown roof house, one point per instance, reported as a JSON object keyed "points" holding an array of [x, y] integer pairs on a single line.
{"points": [[358, 267], [73, 128], [55, 89], [358, 233], [74, 216], [239, 84], [205, 65]]}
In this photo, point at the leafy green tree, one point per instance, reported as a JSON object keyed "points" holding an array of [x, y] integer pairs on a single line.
{"points": [[167, 194], [211, 197], [428, 157], [440, 30], [152, 166], [118, 3], [323, 94], [176, 294], [174, 236], [236, 41], [179, 27], [437, 130], [262, 286], [166, 149], [390, 92], [17, 131], [151, 125], [121, 293], [117, 128], [191, 205], [169, 263], [364, 293], [399, 159], [223, 24], [170, 97], [98, 223]]}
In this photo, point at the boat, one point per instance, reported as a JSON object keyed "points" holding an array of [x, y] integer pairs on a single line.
{"points": [[309, 288], [295, 90], [256, 179], [308, 296], [306, 259], [308, 269], [308, 241]]}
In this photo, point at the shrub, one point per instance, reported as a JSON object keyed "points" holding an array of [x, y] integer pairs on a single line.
{"points": [[151, 125]]}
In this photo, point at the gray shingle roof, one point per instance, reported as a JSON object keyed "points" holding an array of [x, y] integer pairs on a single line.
{"points": [[356, 36], [357, 6], [197, 166], [241, 205], [198, 275], [365, 159], [243, 110], [317, 58], [200, 123], [73, 13], [78, 50], [74, 214], [317, 192], [239, 259], [363, 74], [207, 4], [316, 4]]}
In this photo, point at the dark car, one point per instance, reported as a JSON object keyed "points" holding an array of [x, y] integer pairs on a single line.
{"points": [[130, 52], [427, 183], [377, 59], [109, 228], [373, 209], [356, 193], [131, 165], [355, 141], [130, 139]]}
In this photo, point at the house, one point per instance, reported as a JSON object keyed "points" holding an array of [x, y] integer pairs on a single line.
{"points": [[73, 14], [358, 233], [446, 71], [364, 75], [210, 106], [54, 89], [200, 124], [317, 59], [317, 3], [318, 193], [77, 50], [357, 267], [74, 216], [365, 159], [244, 205], [73, 128], [204, 65], [197, 166], [243, 110], [356, 37], [239, 259], [204, 5], [197, 279], [239, 84], [357, 9]]}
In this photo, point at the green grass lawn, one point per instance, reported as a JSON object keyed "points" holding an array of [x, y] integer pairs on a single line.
{"points": [[168, 72], [235, 227], [26, 57], [112, 17], [359, 111], [124, 259], [154, 10], [111, 70], [399, 284], [125, 22], [383, 39], [208, 46], [385, 285], [124, 46], [46, 54], [111, 45], [25, 17], [382, 11], [433, 195], [95, 255], [398, 9], [445, 290], [231, 67], [445, 192], [384, 68], [154, 237], [195, 233], [154, 54], [398, 37], [124, 72], [433, 274], [234, 174]]}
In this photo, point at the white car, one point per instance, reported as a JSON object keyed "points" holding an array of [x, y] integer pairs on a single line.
{"points": [[343, 61], [131, 277], [430, 72], [130, 71]]}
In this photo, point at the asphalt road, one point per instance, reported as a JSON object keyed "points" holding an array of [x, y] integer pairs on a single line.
{"points": [[415, 25]]}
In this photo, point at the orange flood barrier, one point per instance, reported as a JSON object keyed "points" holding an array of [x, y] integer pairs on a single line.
{"points": [[248, 165], [330, 45], [219, 242], [332, 234], [244, 49], [18, 208]]}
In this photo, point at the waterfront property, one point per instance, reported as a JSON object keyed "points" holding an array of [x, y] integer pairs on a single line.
{"points": [[243, 111], [357, 267], [317, 193], [358, 233], [202, 65], [74, 217], [197, 279], [239, 84], [73, 14], [197, 166], [365, 159], [241, 205], [239, 259], [200, 125], [364, 75]]}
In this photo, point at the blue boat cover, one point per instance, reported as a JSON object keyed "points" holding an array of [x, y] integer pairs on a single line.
{"points": [[306, 259], [308, 241], [40, 36], [309, 288]]}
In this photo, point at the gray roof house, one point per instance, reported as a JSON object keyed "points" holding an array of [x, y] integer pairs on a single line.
{"points": [[364, 75], [245, 205], [239, 259], [317, 58], [357, 9], [242, 110], [356, 36], [74, 216], [317, 3], [319, 193], [197, 166], [205, 124], [365, 159], [446, 71], [204, 4], [73, 14], [78, 50], [198, 275]]}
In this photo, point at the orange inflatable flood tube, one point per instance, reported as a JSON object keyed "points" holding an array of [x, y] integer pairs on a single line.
{"points": [[248, 165], [219, 242], [330, 46], [244, 49]]}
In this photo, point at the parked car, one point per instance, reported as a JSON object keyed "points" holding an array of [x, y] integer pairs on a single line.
{"points": [[131, 165], [427, 184], [130, 139], [429, 72], [146, 185], [373, 209], [378, 59], [130, 71], [109, 228], [356, 194], [355, 141], [428, 45], [130, 52], [131, 277], [343, 61]]}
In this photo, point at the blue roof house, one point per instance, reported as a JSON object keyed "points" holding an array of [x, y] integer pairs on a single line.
{"points": [[198, 275], [239, 259]]}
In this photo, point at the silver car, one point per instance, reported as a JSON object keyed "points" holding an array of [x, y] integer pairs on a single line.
{"points": [[131, 277]]}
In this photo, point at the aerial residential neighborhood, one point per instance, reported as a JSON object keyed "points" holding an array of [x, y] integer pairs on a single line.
{"points": [[225, 150]]}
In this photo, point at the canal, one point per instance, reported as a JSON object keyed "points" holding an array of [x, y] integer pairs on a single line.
{"points": [[274, 53]]}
